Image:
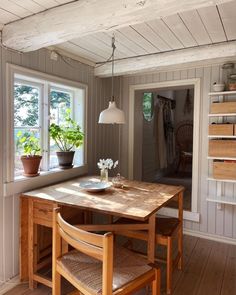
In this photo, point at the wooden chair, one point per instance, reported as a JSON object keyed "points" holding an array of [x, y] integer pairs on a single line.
{"points": [[184, 142], [167, 229], [95, 267]]}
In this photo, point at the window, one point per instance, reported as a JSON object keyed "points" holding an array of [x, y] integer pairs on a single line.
{"points": [[37, 104]]}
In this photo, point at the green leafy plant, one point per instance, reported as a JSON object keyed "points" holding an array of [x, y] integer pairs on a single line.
{"points": [[67, 135], [29, 143]]}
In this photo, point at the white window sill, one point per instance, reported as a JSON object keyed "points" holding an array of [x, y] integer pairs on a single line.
{"points": [[22, 183]]}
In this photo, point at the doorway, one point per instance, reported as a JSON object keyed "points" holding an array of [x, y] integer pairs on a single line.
{"points": [[136, 134], [167, 141]]}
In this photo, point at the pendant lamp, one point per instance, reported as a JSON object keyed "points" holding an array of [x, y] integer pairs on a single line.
{"points": [[112, 115]]}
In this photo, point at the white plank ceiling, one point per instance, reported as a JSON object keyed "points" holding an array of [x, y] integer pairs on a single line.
{"points": [[12, 10], [192, 28], [188, 29]]}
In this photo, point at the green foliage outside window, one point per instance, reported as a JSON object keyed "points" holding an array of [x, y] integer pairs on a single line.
{"points": [[148, 105]]}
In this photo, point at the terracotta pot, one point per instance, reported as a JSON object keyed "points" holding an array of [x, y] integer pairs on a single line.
{"points": [[65, 159], [232, 86], [31, 165]]}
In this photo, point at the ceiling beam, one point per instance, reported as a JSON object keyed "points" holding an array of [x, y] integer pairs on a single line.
{"points": [[171, 59], [85, 17]]}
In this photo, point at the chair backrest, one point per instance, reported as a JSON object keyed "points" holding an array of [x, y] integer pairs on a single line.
{"points": [[184, 136], [91, 244]]}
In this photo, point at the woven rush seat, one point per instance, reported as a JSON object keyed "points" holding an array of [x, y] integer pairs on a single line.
{"points": [[88, 270], [164, 225]]}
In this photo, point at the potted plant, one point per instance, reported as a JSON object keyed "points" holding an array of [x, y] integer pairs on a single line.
{"points": [[66, 136], [29, 143]]}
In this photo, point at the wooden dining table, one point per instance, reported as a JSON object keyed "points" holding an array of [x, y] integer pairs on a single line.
{"points": [[135, 200]]}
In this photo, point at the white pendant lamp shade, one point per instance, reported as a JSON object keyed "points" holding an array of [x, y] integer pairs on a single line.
{"points": [[112, 115]]}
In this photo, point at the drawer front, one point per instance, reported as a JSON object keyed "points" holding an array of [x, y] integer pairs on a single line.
{"points": [[42, 213], [224, 170], [223, 107], [222, 148], [221, 129]]}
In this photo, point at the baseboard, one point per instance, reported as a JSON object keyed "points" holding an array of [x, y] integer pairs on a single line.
{"points": [[6, 286], [207, 236]]}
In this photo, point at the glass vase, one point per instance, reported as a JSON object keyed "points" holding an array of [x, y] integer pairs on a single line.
{"points": [[104, 175]]}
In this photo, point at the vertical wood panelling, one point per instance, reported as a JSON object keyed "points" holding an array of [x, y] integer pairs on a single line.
{"points": [[1, 175], [9, 206], [213, 221]]}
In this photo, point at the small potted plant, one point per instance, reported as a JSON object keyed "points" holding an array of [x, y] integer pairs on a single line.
{"points": [[66, 136], [29, 144]]}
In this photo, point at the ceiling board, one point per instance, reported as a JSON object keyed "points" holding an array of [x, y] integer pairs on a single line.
{"points": [[177, 26], [14, 8], [195, 25], [46, 4], [212, 23], [228, 16], [121, 49], [134, 36], [30, 5], [123, 39], [6, 16], [148, 33], [70, 47], [11, 10], [165, 33], [91, 46]]}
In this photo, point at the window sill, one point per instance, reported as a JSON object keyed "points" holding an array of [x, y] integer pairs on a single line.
{"points": [[22, 183]]}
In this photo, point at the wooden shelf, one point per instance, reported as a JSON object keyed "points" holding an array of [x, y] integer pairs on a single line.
{"points": [[221, 180], [221, 158], [222, 200], [222, 136], [222, 93], [222, 115]]}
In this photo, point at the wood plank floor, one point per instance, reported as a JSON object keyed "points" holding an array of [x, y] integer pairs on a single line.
{"points": [[209, 269]]}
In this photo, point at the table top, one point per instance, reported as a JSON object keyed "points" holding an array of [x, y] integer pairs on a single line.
{"points": [[137, 200]]}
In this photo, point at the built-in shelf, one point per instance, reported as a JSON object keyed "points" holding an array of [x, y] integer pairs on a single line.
{"points": [[219, 168], [221, 180], [221, 158], [222, 93], [222, 136], [222, 200], [222, 115]]}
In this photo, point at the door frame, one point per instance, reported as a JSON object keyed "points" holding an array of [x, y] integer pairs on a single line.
{"points": [[197, 116]]}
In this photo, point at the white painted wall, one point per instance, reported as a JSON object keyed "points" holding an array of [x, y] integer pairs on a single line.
{"points": [[212, 221], [98, 96]]}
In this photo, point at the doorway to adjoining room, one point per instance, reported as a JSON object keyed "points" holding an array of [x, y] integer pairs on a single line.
{"points": [[167, 141]]}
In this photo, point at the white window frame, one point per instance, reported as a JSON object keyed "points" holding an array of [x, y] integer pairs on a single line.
{"points": [[13, 185]]}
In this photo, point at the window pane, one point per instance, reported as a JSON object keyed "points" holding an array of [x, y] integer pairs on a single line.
{"points": [[26, 105], [60, 101], [19, 150]]}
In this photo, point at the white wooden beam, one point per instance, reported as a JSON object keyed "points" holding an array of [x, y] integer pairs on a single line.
{"points": [[165, 60], [85, 17]]}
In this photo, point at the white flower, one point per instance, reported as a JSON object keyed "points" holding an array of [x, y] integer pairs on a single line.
{"points": [[107, 164], [115, 164]]}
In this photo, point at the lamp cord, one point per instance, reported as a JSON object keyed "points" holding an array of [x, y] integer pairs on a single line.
{"points": [[112, 69]]}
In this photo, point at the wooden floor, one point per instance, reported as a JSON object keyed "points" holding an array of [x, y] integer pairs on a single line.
{"points": [[210, 269]]}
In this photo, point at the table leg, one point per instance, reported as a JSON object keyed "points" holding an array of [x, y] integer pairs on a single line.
{"points": [[24, 210], [151, 237], [180, 238], [32, 236]]}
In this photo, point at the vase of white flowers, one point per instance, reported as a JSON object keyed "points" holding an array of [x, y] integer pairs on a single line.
{"points": [[104, 166]]}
